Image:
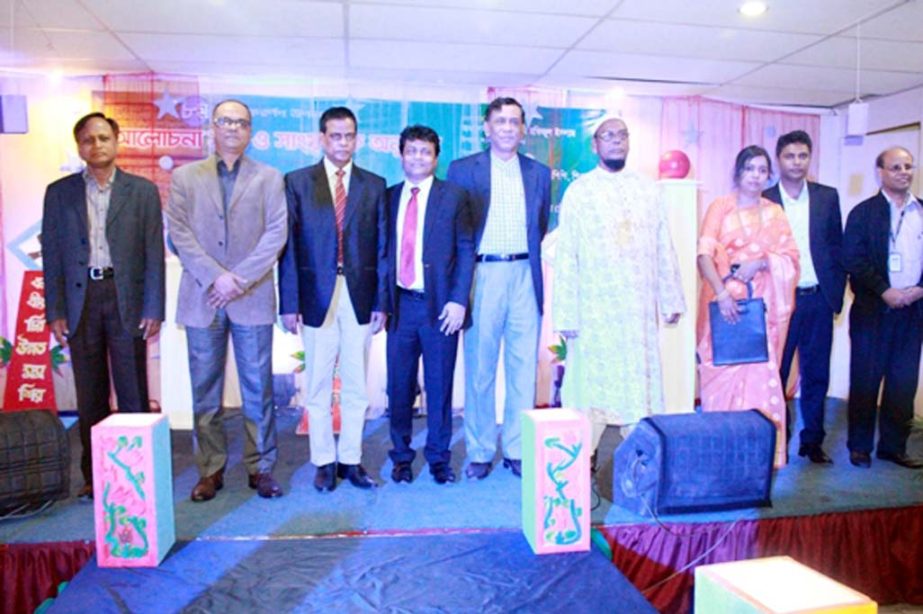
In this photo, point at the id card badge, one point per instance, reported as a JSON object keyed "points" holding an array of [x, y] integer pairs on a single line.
{"points": [[895, 264]]}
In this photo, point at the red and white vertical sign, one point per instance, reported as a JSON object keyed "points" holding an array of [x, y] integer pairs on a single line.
{"points": [[29, 383]]}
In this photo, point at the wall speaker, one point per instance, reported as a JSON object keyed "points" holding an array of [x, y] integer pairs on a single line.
{"points": [[13, 114], [857, 119], [683, 463]]}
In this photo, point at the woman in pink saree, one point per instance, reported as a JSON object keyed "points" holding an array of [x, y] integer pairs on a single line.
{"points": [[751, 234]]}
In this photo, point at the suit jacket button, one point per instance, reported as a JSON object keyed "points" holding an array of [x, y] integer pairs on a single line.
{"points": [[79, 285]]}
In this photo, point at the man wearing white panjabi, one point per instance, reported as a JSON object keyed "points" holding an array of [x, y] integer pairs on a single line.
{"points": [[615, 272]]}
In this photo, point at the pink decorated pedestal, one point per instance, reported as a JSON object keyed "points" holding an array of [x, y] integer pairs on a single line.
{"points": [[556, 480], [133, 490]]}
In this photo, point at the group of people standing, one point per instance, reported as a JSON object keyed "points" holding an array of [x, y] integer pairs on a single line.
{"points": [[788, 243], [426, 259]]}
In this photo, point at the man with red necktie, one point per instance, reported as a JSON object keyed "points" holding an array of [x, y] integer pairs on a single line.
{"points": [[431, 263], [331, 283]]}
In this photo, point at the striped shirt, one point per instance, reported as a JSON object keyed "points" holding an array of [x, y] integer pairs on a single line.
{"points": [[97, 212]]}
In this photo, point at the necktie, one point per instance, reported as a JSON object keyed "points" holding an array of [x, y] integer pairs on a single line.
{"points": [[408, 239], [340, 212]]}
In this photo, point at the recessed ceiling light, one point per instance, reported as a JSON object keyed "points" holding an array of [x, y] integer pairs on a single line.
{"points": [[753, 8]]}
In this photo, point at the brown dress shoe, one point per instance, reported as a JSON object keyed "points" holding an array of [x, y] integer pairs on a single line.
{"points": [[85, 493], [207, 487], [265, 485]]}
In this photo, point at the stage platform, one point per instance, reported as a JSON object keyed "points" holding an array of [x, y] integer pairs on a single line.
{"points": [[816, 513]]}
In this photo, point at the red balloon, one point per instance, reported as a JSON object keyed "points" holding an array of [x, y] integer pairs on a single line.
{"points": [[674, 164]]}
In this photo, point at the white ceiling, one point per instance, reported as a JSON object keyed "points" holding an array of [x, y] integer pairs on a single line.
{"points": [[801, 52]]}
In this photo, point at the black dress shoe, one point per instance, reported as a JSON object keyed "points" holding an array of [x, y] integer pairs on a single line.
{"points": [[85, 493], [265, 485], [815, 454], [860, 459], [402, 472], [326, 478], [900, 459], [514, 465], [478, 471], [356, 475], [594, 462], [442, 473]]}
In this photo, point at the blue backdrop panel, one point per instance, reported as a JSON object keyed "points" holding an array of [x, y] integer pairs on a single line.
{"points": [[487, 572], [683, 463]]}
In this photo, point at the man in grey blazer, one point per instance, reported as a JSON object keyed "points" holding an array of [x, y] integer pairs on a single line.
{"points": [[102, 252], [227, 220]]}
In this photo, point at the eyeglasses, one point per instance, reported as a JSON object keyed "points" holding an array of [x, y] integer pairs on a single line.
{"points": [[340, 137], [897, 168], [613, 137], [228, 122]]}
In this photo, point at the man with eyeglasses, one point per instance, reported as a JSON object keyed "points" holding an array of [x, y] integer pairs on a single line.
{"points": [[332, 278], [227, 222], [102, 254], [510, 199], [883, 254], [813, 211], [615, 272]]}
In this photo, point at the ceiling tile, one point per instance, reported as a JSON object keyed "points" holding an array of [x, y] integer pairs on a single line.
{"points": [[777, 95], [840, 52], [904, 23], [242, 17], [595, 8], [649, 67], [813, 16], [49, 14], [232, 50], [821, 78], [450, 57], [716, 43], [461, 26]]}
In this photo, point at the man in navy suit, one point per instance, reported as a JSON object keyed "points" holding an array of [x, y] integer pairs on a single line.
{"points": [[331, 280], [430, 265], [510, 199], [813, 211], [102, 252], [883, 253]]}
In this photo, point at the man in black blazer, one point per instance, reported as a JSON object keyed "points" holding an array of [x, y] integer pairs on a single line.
{"points": [[883, 253], [430, 265], [102, 249], [813, 212], [510, 199], [331, 280]]}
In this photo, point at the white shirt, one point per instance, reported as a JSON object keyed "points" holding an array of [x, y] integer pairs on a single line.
{"points": [[505, 227], [798, 212], [422, 199], [906, 238]]}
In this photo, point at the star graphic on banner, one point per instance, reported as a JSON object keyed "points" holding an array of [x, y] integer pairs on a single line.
{"points": [[692, 134], [166, 105], [531, 110]]}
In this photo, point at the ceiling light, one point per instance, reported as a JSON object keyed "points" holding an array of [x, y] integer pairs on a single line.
{"points": [[753, 8]]}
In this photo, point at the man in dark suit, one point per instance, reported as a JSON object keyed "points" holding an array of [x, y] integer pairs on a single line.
{"points": [[883, 253], [102, 249], [331, 280], [430, 265], [510, 199], [813, 211]]}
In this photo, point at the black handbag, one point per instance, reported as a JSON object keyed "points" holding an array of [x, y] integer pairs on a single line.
{"points": [[743, 342]]}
